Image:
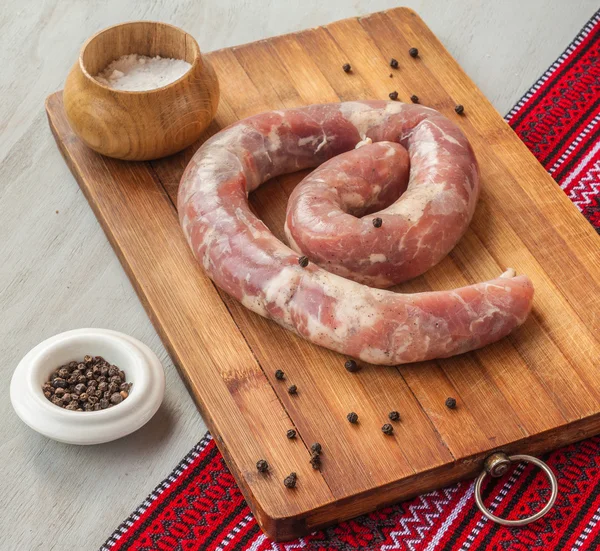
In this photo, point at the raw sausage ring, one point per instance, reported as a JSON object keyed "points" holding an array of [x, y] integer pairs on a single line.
{"points": [[422, 223], [245, 259]]}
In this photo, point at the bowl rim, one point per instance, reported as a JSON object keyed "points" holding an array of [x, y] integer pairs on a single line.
{"points": [[197, 58], [87, 427]]}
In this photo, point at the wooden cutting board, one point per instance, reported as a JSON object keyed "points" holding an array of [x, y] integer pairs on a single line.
{"points": [[536, 390]]}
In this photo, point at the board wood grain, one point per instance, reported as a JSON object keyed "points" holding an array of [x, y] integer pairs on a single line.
{"points": [[529, 393]]}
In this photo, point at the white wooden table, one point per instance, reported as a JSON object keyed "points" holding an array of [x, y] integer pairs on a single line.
{"points": [[58, 272]]}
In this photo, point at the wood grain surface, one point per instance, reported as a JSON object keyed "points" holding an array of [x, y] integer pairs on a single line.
{"points": [[529, 393]]}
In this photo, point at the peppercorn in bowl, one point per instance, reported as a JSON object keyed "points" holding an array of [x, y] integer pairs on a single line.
{"points": [[87, 386]]}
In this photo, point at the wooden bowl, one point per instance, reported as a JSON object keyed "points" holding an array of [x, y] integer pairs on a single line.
{"points": [[140, 125]]}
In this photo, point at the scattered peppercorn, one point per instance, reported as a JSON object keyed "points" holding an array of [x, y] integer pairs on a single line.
{"points": [[303, 261], [315, 461], [413, 52], [291, 434], [394, 63], [393, 95], [394, 416], [377, 222], [351, 366], [459, 109], [82, 386], [352, 417], [279, 375], [262, 466], [293, 389], [347, 67], [387, 429], [316, 448], [391, 75], [414, 99], [290, 480], [451, 403]]}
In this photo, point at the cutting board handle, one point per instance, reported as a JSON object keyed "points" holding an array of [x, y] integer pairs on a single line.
{"points": [[497, 465]]}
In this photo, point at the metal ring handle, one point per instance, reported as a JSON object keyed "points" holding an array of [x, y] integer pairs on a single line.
{"points": [[496, 465]]}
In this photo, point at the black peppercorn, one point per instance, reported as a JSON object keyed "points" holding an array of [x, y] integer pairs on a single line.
{"points": [[303, 261], [104, 403], [290, 481], [387, 429], [116, 398], [459, 109], [87, 359], [291, 434], [262, 466], [316, 448], [113, 370], [72, 406], [394, 416], [393, 95], [351, 366], [59, 383], [315, 461], [79, 388], [377, 222], [347, 67], [83, 397], [451, 403], [82, 379], [414, 99], [352, 417], [59, 392], [293, 389], [413, 52], [394, 63], [63, 373], [279, 375]]}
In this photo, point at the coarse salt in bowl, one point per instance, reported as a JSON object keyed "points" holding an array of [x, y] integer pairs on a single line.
{"points": [[142, 369], [140, 125]]}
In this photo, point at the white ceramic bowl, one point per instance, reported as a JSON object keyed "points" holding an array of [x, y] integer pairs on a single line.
{"points": [[141, 366]]}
